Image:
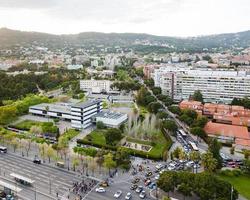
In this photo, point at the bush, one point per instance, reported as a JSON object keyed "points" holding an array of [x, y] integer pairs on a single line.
{"points": [[100, 125]]}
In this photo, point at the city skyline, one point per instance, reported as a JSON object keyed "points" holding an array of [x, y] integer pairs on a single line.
{"points": [[166, 18]]}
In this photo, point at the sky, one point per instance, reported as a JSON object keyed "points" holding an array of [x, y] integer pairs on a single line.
{"points": [[159, 17]]}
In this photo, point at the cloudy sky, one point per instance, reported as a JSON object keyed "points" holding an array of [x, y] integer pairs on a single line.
{"points": [[160, 17]]}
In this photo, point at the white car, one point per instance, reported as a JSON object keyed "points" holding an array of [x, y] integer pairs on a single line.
{"points": [[142, 194], [159, 166], [128, 196], [157, 177], [118, 194], [100, 190]]}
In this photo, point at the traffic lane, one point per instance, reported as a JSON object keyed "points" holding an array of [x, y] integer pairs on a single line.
{"points": [[110, 191], [60, 180]]}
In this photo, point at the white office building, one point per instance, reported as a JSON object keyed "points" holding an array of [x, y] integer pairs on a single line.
{"points": [[96, 86], [82, 113], [57, 110], [215, 85]]}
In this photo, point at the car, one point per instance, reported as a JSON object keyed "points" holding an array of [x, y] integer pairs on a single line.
{"points": [[136, 180], [133, 187], [142, 194], [157, 177], [128, 196], [104, 184], [149, 174], [134, 172], [118, 194], [159, 166], [139, 189], [147, 182], [190, 164], [100, 190], [37, 161], [152, 185]]}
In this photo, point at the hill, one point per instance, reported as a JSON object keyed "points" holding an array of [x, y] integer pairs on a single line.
{"points": [[10, 37]]}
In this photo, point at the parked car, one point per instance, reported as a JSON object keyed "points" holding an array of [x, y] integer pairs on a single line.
{"points": [[147, 182], [136, 180], [152, 185], [159, 166], [139, 189], [128, 196], [142, 194], [100, 190], [133, 187], [118, 194], [149, 174]]}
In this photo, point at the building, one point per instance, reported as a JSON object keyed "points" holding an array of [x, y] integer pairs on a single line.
{"points": [[228, 133], [82, 113], [111, 119], [96, 86], [215, 85], [193, 105], [61, 111]]}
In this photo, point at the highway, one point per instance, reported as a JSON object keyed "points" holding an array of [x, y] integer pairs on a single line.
{"points": [[48, 180]]}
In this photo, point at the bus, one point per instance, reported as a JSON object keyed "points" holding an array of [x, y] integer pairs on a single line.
{"points": [[183, 134], [21, 179], [193, 146], [3, 149]]}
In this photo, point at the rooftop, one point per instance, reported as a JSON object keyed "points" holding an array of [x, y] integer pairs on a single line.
{"points": [[56, 107], [227, 130], [110, 115], [87, 103]]}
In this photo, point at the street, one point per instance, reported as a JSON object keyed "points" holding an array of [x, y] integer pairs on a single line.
{"points": [[48, 180]]}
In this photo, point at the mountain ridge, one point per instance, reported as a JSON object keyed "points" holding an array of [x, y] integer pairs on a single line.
{"points": [[9, 37]]}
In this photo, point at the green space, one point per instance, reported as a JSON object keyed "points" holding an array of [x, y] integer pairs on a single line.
{"points": [[27, 124], [241, 183], [69, 134]]}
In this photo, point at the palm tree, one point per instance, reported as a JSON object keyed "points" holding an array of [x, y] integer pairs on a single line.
{"points": [[208, 161], [195, 156]]}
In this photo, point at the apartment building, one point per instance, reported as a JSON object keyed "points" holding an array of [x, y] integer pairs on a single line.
{"points": [[216, 86], [82, 113], [96, 86]]}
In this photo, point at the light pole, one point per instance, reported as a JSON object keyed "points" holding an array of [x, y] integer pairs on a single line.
{"points": [[232, 190]]}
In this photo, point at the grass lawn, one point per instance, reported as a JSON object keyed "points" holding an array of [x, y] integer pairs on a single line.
{"points": [[27, 124], [97, 136], [159, 145], [241, 183]]}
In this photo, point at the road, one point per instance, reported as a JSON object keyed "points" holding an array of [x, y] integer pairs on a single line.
{"points": [[48, 180]]}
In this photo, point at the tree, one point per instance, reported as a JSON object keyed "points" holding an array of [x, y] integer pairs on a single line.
{"points": [[149, 82], [26, 144], [177, 152], [167, 181], [112, 135], [162, 115], [201, 121], [246, 154], [185, 189], [14, 143], [170, 126], [195, 156], [63, 144], [214, 147], [75, 163], [232, 150], [156, 90], [209, 162], [197, 96], [109, 162], [37, 130], [154, 107], [199, 132], [50, 152], [42, 150]]}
